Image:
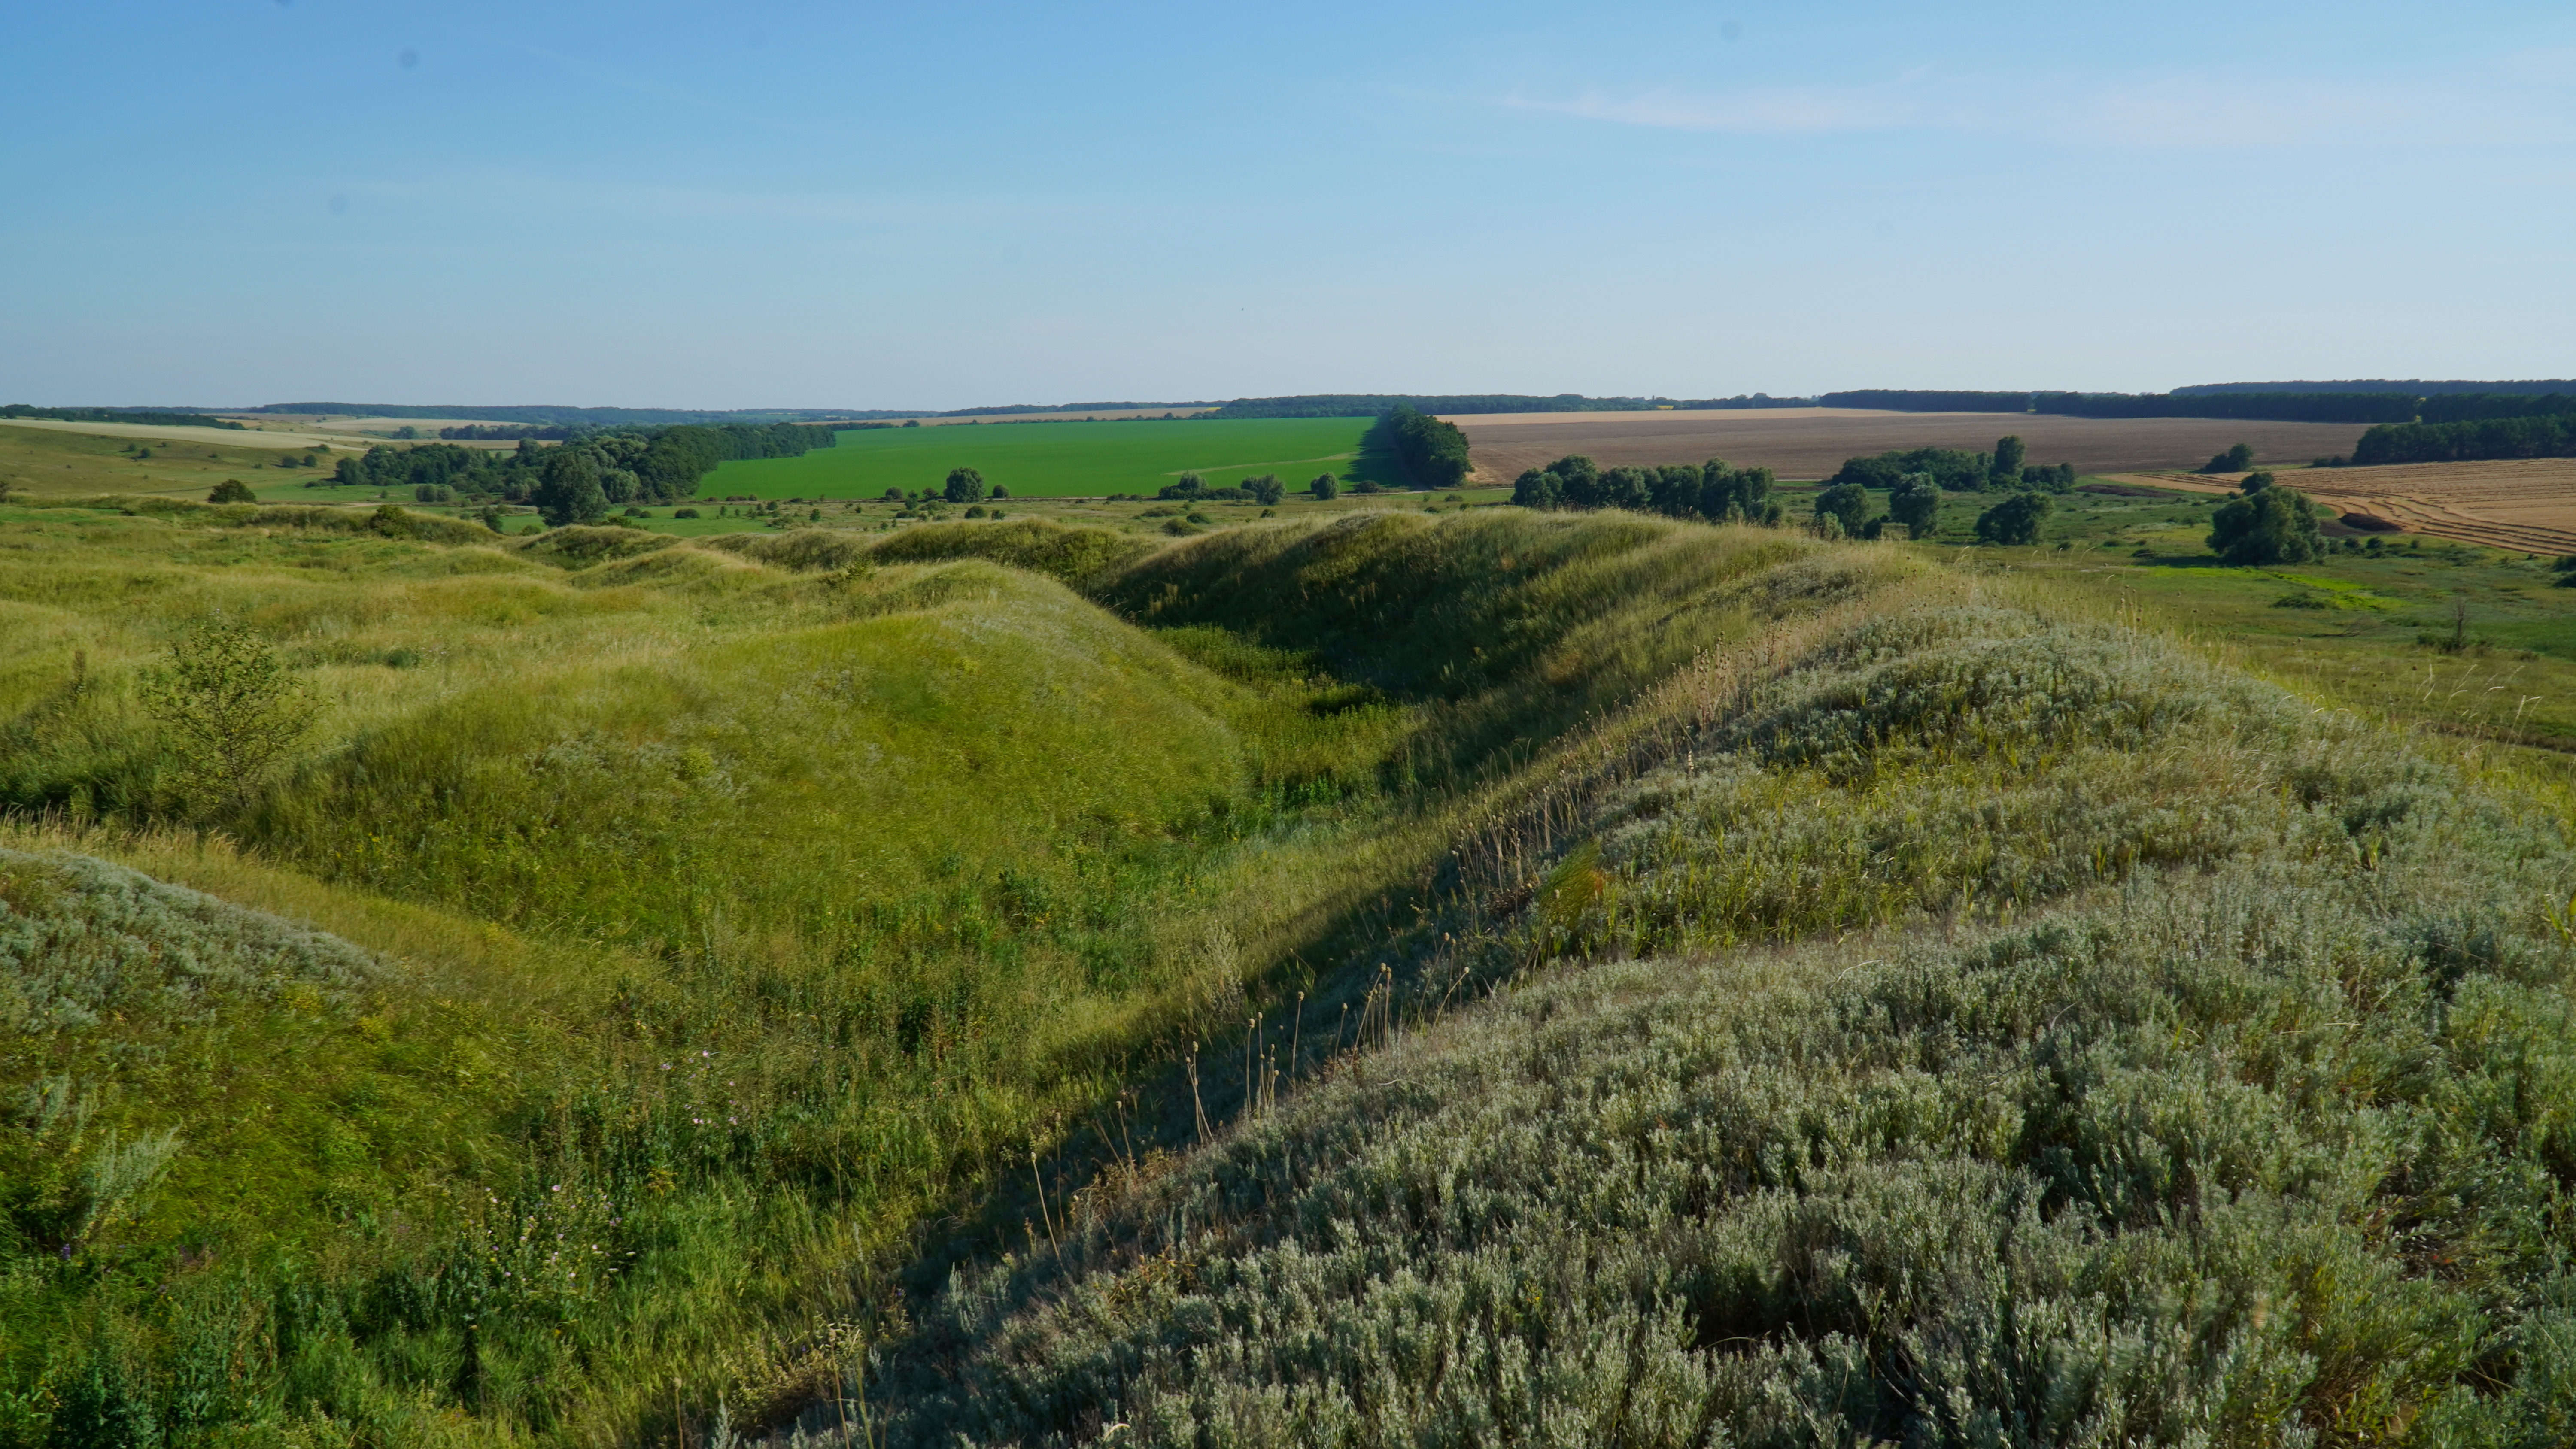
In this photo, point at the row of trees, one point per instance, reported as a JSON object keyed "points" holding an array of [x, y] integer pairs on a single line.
{"points": [[119, 415], [2547, 436], [1713, 490], [1959, 470], [1264, 489], [638, 465]]}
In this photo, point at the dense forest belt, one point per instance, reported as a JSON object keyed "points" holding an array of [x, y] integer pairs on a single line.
{"points": [[1985, 1030], [654, 946], [1813, 442]]}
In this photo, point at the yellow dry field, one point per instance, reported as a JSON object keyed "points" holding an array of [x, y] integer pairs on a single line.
{"points": [[2526, 504], [1813, 442], [269, 437]]}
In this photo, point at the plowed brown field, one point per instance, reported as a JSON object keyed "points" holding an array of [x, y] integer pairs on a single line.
{"points": [[1813, 442], [2527, 504]]}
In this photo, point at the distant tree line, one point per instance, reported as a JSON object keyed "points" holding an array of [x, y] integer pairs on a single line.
{"points": [[1369, 405], [119, 415], [1713, 490], [2471, 407], [2547, 436], [2411, 386], [1432, 453], [2279, 407], [585, 417], [1907, 400], [578, 480]]}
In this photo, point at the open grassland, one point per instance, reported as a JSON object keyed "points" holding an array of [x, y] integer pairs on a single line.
{"points": [[81, 460], [704, 919], [1374, 975], [1813, 442], [1040, 459]]}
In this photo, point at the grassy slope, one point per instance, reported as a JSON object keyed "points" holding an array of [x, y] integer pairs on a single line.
{"points": [[45, 464], [887, 862], [1044, 459], [2198, 1074]]}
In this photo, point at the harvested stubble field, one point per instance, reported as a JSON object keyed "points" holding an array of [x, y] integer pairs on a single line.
{"points": [[2527, 504], [1813, 442]]}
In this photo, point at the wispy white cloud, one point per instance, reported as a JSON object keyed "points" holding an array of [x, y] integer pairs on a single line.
{"points": [[1754, 110], [2176, 111]]}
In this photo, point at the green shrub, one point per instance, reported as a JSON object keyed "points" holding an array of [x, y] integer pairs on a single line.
{"points": [[2014, 521], [232, 490], [2271, 525]]}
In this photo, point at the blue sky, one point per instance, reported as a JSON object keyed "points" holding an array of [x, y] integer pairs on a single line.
{"points": [[754, 204]]}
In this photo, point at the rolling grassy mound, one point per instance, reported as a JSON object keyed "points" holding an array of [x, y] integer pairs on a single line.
{"points": [[2199, 1073], [729, 914]]}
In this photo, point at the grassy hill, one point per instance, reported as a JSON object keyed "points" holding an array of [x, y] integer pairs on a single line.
{"points": [[1369, 978], [1989, 1031], [730, 910]]}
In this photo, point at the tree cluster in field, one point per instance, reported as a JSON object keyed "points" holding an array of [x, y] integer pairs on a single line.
{"points": [[1959, 470], [580, 480], [1432, 453], [2550, 435], [2269, 524], [1264, 489], [1713, 490]]}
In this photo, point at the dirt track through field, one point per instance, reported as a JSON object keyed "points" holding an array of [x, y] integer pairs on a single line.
{"points": [[1813, 442], [2524, 504]]}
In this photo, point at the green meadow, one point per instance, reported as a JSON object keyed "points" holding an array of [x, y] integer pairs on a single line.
{"points": [[1398, 971], [1040, 460]]}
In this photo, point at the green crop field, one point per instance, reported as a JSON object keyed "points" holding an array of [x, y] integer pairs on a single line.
{"points": [[1043, 460]]}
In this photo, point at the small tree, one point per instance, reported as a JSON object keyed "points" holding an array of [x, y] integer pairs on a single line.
{"points": [[232, 707], [1324, 488], [2009, 453], [569, 493], [2271, 526], [232, 490], [2235, 460], [999, 492], [2016, 520], [1266, 489], [965, 485], [1916, 503], [1848, 503], [1536, 488], [2256, 483]]}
